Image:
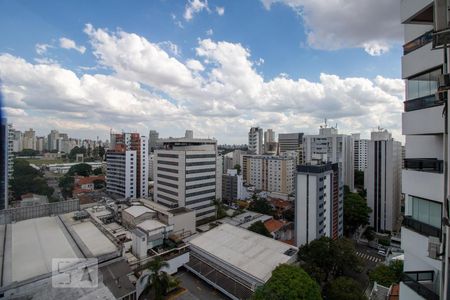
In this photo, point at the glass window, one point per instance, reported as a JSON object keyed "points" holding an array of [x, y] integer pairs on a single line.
{"points": [[425, 211], [423, 85]]}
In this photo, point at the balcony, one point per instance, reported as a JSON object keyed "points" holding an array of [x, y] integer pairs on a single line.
{"points": [[427, 120], [420, 227], [416, 11], [420, 282], [423, 184], [431, 165], [422, 40], [421, 59], [421, 103]]}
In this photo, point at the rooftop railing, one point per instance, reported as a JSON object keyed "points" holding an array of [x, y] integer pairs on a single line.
{"points": [[420, 227], [424, 164]]}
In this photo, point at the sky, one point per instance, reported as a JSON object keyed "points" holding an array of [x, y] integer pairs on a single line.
{"points": [[216, 67]]}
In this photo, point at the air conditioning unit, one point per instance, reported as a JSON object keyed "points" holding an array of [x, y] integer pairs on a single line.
{"points": [[444, 82], [434, 246]]}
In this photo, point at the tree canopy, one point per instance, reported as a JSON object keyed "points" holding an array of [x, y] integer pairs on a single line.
{"points": [[356, 212], [238, 168], [387, 275], [288, 283], [261, 205], [27, 179], [344, 288], [258, 227], [326, 257], [80, 170], [77, 150], [359, 179]]}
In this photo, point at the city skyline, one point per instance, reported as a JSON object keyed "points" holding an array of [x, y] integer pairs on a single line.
{"points": [[190, 55]]}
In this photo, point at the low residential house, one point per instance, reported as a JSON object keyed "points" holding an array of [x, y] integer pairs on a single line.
{"points": [[87, 183], [280, 230], [33, 199], [280, 205]]}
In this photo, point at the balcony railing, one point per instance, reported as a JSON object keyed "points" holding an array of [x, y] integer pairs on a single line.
{"points": [[414, 280], [420, 227], [421, 103], [422, 40], [424, 164]]}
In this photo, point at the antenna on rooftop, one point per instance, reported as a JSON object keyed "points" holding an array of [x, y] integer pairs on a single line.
{"points": [[326, 123]]}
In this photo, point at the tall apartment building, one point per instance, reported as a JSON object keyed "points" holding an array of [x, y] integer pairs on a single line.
{"points": [[127, 165], [382, 180], [232, 186], [330, 146], [255, 140], [360, 152], [4, 142], [270, 144], [52, 140], [292, 143], [153, 137], [17, 139], [269, 173], [29, 139], [319, 205], [424, 235], [40, 143], [187, 173]]}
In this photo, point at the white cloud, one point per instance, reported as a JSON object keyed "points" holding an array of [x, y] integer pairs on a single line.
{"points": [[170, 47], [217, 93], [66, 43], [194, 65], [335, 24], [194, 7], [209, 32], [41, 49], [220, 10]]}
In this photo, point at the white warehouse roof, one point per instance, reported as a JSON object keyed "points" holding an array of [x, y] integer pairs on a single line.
{"points": [[245, 250], [138, 210], [150, 225]]}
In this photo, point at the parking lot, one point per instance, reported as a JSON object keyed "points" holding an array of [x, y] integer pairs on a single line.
{"points": [[197, 289]]}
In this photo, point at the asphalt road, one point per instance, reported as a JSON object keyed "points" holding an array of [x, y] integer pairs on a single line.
{"points": [[197, 288], [371, 259]]}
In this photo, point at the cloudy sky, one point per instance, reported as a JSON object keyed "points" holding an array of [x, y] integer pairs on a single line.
{"points": [[217, 67]]}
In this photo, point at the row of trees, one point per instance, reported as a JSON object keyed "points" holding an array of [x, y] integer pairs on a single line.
{"points": [[97, 152], [27, 179]]}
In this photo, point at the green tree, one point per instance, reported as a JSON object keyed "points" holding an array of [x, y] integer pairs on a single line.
{"points": [[344, 288], [98, 171], [77, 150], [326, 257], [261, 205], [158, 281], [258, 227], [80, 170], [66, 183], [289, 215], [288, 283], [387, 275], [356, 213], [238, 168], [27, 179], [220, 210], [359, 179], [28, 152]]}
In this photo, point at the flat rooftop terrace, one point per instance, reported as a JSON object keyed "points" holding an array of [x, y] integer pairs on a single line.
{"points": [[244, 250]]}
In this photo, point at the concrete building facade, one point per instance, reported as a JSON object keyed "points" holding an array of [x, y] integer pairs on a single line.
{"points": [[319, 203], [424, 235], [330, 146], [186, 174], [382, 180], [255, 141], [232, 186], [360, 152], [269, 173]]}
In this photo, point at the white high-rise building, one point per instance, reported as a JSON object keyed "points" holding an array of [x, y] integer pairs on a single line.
{"points": [[153, 137], [269, 173], [360, 152], [318, 203], [40, 143], [382, 180], [127, 166], [255, 140], [29, 139], [188, 173], [330, 146], [53, 140], [425, 231]]}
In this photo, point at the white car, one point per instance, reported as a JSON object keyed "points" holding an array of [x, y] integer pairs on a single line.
{"points": [[382, 252]]}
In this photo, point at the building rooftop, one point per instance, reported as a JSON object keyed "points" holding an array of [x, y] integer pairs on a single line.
{"points": [[138, 210], [273, 225], [245, 250], [96, 242], [33, 245], [150, 225]]}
